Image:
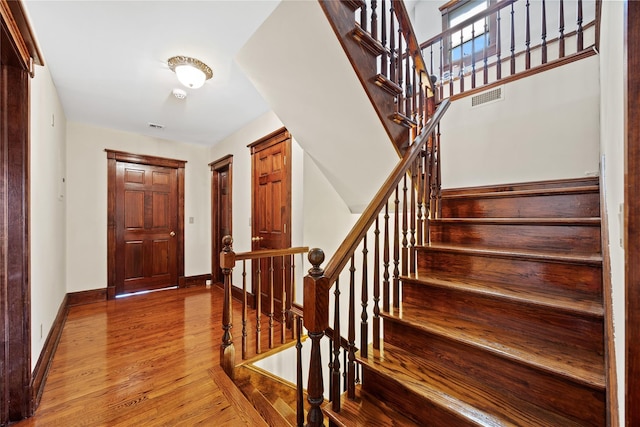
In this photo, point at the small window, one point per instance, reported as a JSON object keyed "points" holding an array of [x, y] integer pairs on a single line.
{"points": [[475, 40]]}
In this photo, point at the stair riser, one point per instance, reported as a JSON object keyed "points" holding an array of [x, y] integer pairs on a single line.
{"points": [[545, 238], [574, 280], [423, 412], [500, 379], [581, 205], [541, 325]]}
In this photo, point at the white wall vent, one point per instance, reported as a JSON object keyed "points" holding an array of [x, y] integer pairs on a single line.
{"points": [[489, 96]]}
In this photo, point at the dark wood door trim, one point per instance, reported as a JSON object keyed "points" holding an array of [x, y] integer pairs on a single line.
{"points": [[18, 53], [632, 213], [113, 157], [218, 166]]}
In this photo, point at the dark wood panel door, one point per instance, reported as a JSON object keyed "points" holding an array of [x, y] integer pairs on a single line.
{"points": [[146, 227], [271, 224]]}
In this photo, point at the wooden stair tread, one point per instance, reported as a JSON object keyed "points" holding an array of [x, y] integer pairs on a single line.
{"points": [[365, 411], [581, 367], [454, 394], [524, 193], [559, 302], [592, 221], [530, 185], [559, 257]]}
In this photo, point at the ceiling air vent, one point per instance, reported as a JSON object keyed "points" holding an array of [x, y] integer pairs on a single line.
{"points": [[156, 126], [487, 97]]}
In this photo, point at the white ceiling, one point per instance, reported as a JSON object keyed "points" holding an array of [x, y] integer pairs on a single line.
{"points": [[108, 63]]}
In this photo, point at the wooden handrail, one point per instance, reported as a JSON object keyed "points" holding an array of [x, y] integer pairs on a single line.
{"points": [[343, 254], [467, 22], [266, 253], [414, 47]]}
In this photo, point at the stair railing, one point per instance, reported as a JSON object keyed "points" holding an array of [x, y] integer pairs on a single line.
{"points": [[278, 268], [511, 39], [396, 222]]}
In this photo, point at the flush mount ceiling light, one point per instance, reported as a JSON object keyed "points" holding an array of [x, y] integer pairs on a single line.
{"points": [[191, 72]]}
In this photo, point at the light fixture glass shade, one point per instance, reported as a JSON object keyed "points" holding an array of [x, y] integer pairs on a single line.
{"points": [[190, 76], [191, 72]]}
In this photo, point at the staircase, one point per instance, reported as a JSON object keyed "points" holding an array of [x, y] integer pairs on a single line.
{"points": [[502, 324]]}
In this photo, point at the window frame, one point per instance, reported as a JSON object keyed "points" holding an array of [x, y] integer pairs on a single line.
{"points": [[447, 10]]}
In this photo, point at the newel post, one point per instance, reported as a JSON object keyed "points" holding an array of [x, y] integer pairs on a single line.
{"points": [[227, 350], [316, 320]]}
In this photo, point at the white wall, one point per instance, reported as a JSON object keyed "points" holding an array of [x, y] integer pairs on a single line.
{"points": [[87, 200], [547, 127], [48, 202], [612, 113]]}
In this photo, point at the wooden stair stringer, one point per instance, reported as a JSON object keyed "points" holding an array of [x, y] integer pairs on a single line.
{"points": [[341, 17]]}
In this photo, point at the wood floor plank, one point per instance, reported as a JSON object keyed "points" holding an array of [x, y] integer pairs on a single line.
{"points": [[144, 360]]}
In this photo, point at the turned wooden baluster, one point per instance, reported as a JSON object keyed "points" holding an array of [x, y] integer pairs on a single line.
{"points": [[364, 300], [316, 320], [485, 59], [376, 287], [544, 32], [473, 55], [513, 41], [383, 39], [561, 43], [374, 20], [257, 293], [405, 227], [351, 372], [271, 302], [461, 73], [498, 48], [579, 32], [227, 350], [363, 16], [283, 313], [300, 389], [396, 251], [386, 285], [392, 45], [412, 218], [419, 220], [335, 365], [244, 309], [527, 41], [438, 161]]}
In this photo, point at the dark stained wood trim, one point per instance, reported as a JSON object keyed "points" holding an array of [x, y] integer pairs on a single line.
{"points": [[533, 185], [225, 162], [15, 257], [610, 348], [266, 253], [189, 281], [41, 369], [528, 73], [113, 157], [15, 20], [632, 212], [281, 133], [86, 297]]}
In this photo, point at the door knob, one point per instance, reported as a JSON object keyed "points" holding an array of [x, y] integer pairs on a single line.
{"points": [[173, 233]]}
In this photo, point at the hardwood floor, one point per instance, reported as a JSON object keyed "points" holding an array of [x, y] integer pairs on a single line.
{"points": [[146, 360]]}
